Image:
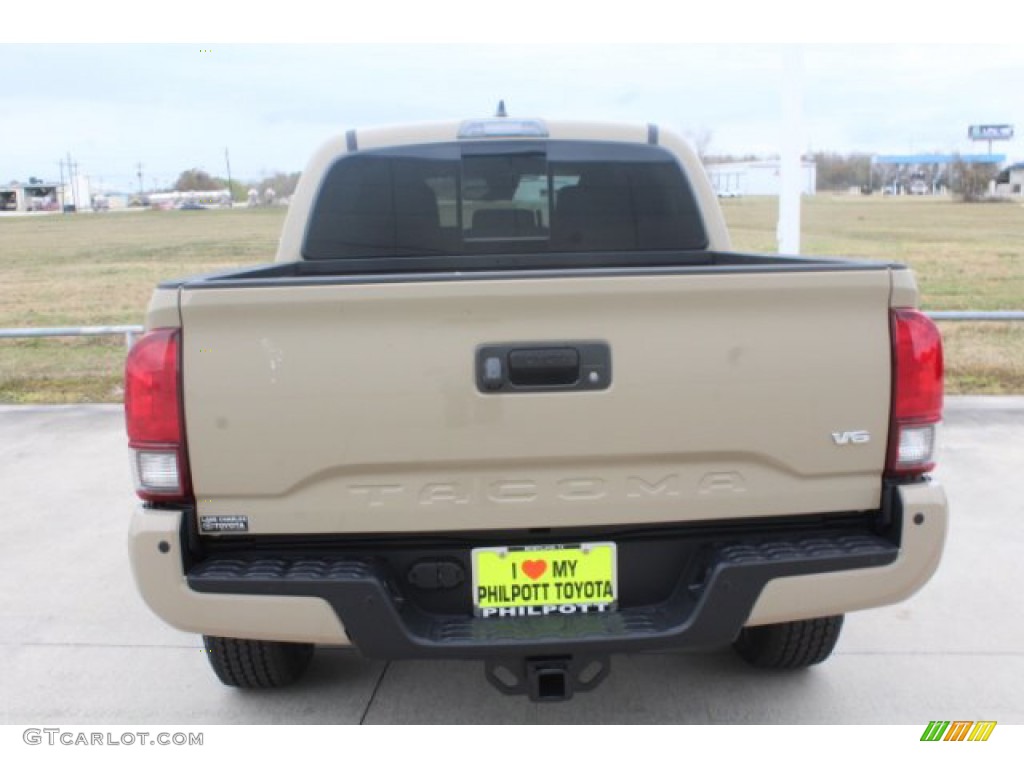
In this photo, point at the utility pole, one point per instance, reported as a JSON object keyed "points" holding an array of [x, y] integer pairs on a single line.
{"points": [[227, 161], [62, 195], [138, 168], [71, 183], [790, 162]]}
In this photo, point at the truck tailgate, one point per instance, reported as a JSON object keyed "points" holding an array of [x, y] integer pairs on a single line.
{"points": [[334, 407]]}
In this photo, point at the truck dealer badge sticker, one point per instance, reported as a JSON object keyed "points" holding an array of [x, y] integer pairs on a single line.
{"points": [[224, 523]]}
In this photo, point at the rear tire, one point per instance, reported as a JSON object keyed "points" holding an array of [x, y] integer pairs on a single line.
{"points": [[790, 645], [257, 663]]}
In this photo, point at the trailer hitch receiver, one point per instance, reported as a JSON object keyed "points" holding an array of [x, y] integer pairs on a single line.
{"points": [[547, 678]]}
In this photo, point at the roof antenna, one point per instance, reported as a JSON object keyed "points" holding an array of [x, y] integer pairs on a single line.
{"points": [[501, 109]]}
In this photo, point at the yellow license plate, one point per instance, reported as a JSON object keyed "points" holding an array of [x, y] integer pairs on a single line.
{"points": [[540, 581]]}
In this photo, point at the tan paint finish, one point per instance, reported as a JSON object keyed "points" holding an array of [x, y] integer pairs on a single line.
{"points": [[904, 290], [161, 581], [825, 594], [354, 409], [336, 413], [163, 309]]}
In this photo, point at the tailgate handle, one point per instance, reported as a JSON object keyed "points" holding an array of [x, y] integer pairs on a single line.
{"points": [[537, 367], [552, 367]]}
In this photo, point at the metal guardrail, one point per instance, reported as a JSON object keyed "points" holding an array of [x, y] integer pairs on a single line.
{"points": [[128, 331], [131, 331], [1001, 316]]}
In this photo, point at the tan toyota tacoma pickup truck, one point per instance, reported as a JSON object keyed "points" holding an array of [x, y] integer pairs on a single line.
{"points": [[507, 395]]}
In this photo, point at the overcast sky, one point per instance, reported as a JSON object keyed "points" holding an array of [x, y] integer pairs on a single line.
{"points": [[176, 106]]}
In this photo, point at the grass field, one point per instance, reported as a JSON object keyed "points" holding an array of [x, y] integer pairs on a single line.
{"points": [[100, 269], [964, 257]]}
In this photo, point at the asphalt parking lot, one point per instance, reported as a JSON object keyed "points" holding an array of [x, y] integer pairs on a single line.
{"points": [[81, 647]]}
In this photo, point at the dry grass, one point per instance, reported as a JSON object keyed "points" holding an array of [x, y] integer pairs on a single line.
{"points": [[101, 269], [964, 256], [57, 370], [984, 358]]}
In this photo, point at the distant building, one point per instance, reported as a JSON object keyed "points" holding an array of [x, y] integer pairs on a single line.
{"points": [[1010, 181], [212, 198], [921, 174], [757, 177], [37, 195], [116, 200]]}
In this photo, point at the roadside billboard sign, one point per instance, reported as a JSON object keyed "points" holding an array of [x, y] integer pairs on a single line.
{"points": [[990, 132]]}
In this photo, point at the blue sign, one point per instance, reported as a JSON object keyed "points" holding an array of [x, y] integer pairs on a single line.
{"points": [[990, 132]]}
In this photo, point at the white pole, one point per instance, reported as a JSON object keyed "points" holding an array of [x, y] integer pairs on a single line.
{"points": [[788, 233]]}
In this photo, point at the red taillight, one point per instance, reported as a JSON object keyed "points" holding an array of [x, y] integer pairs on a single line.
{"points": [[152, 404], [917, 392]]}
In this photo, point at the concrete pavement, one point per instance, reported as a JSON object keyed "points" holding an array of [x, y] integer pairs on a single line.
{"points": [[81, 647]]}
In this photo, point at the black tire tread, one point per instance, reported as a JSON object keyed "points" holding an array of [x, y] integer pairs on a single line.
{"points": [[257, 663], [790, 645]]}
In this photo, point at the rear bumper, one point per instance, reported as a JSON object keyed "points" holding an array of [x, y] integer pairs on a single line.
{"points": [[332, 599], [922, 536]]}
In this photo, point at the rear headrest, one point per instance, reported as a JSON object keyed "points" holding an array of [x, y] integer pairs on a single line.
{"points": [[503, 222], [415, 200]]}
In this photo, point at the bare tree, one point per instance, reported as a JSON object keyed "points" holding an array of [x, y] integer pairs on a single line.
{"points": [[970, 180], [700, 139], [197, 180], [283, 184]]}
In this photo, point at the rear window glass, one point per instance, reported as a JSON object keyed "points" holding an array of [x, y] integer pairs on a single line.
{"points": [[551, 197]]}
